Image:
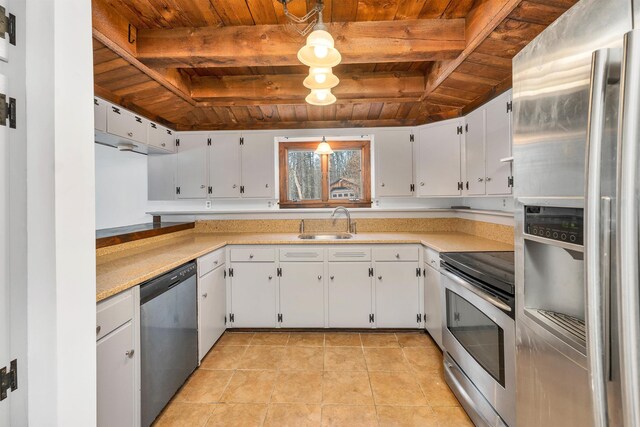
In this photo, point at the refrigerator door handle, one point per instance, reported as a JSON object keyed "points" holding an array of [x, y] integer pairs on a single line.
{"points": [[595, 308], [627, 229]]}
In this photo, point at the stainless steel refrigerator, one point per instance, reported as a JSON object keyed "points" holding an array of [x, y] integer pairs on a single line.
{"points": [[576, 96]]}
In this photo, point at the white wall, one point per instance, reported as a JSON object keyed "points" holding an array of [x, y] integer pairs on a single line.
{"points": [[121, 188]]}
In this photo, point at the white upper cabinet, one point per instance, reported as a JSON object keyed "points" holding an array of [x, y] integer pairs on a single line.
{"points": [[498, 144], [258, 170], [160, 137], [474, 152], [100, 114], [394, 163], [224, 165], [192, 166], [438, 159], [127, 125]]}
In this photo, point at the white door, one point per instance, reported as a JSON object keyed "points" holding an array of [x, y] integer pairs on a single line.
{"points": [[126, 124], [350, 295], [474, 149], [258, 170], [224, 165], [302, 294], [192, 166], [394, 163], [439, 151], [432, 303], [160, 137], [211, 309], [498, 145], [253, 295], [397, 294], [116, 378]]}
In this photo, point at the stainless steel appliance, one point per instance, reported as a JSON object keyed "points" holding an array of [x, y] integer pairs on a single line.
{"points": [[479, 334], [168, 337], [576, 91]]}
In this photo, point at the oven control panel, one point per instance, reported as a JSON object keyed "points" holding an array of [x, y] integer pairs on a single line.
{"points": [[563, 224]]}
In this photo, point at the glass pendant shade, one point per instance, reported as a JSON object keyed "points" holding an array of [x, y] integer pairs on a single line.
{"points": [[324, 147], [320, 97], [319, 50], [321, 78]]}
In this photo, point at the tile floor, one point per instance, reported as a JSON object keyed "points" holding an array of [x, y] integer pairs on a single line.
{"points": [[313, 379]]}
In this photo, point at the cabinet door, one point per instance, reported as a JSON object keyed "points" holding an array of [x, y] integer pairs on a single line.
{"points": [[100, 114], [160, 137], [349, 295], [433, 303], [253, 295], [127, 125], [397, 294], [211, 309], [116, 378], [498, 145], [439, 151], [394, 163], [258, 173], [302, 294], [192, 166], [474, 149], [224, 165]]}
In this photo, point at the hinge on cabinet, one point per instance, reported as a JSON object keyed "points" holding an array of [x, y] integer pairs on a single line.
{"points": [[153, 125], [7, 111], [418, 272], [509, 106], [232, 317], [279, 272], [177, 142], [242, 189], [280, 317], [169, 132], [138, 119], [208, 141], [459, 130], [456, 317], [460, 186], [177, 190], [242, 140], [370, 272], [225, 319], [115, 110], [419, 317], [412, 138], [95, 101], [210, 190], [224, 273], [7, 25], [510, 181], [231, 272], [412, 187], [467, 185], [371, 318], [8, 380], [466, 127], [424, 272]]}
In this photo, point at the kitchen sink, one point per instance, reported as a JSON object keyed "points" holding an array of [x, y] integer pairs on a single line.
{"points": [[336, 236]]}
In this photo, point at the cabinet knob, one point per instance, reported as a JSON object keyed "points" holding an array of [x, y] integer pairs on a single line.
{"points": [[379, 277], [480, 180], [422, 184], [163, 144], [202, 186], [266, 186], [215, 262], [331, 277], [204, 295], [270, 277], [488, 179], [234, 186], [98, 328], [250, 256], [433, 262], [382, 184], [130, 133], [130, 353], [398, 256], [319, 277]]}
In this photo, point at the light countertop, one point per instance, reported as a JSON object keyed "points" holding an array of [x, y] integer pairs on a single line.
{"points": [[119, 271]]}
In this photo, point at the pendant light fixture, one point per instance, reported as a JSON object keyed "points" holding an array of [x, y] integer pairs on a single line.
{"points": [[324, 147], [321, 78], [319, 50], [320, 97]]}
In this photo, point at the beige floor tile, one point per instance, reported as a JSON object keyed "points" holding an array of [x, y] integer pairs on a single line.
{"points": [[223, 357], [385, 359], [421, 358], [379, 340], [303, 359], [340, 339], [436, 389], [396, 388], [406, 416], [349, 416], [270, 338], [350, 388], [204, 386], [181, 414], [235, 338], [238, 414], [298, 387], [262, 357], [293, 415], [344, 359], [452, 417], [250, 387], [306, 339], [419, 339]]}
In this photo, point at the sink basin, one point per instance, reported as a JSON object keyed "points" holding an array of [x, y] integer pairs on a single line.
{"points": [[337, 236]]}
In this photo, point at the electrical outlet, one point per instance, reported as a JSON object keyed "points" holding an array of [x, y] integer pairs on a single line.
{"points": [[504, 203], [207, 204]]}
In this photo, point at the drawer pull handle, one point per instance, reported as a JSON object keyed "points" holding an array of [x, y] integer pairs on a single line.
{"points": [[130, 353], [98, 328]]}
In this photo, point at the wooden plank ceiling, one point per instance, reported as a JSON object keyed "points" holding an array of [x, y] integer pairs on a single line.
{"points": [[231, 64]]}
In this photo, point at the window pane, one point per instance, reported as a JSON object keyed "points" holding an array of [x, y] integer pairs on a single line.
{"points": [[345, 175], [305, 175]]}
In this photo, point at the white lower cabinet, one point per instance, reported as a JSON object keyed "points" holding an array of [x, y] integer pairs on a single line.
{"points": [[211, 309], [301, 294], [433, 303], [397, 294], [350, 295], [253, 294]]}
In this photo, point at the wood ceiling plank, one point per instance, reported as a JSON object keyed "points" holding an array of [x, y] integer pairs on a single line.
{"points": [[255, 113], [233, 12], [487, 96], [377, 10], [404, 110], [302, 115], [225, 114], [110, 65], [537, 13], [270, 112], [262, 11], [374, 110], [458, 9], [344, 111], [409, 9], [320, 124], [141, 13], [434, 9], [344, 11], [470, 85], [328, 112], [360, 111], [327, 11], [296, 7], [197, 13], [389, 110], [462, 95], [314, 113], [241, 113], [274, 45], [287, 112], [491, 60]]}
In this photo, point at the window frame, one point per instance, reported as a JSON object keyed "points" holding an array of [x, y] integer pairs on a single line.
{"points": [[326, 202]]}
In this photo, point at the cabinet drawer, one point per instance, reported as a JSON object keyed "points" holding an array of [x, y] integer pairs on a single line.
{"points": [[396, 253], [301, 254], [252, 254], [209, 262], [126, 124], [349, 254], [100, 114], [432, 258], [113, 312]]}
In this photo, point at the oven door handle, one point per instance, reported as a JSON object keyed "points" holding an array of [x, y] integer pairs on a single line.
{"points": [[482, 294]]}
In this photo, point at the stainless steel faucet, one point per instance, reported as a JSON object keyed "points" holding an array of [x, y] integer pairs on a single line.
{"points": [[302, 226], [346, 212]]}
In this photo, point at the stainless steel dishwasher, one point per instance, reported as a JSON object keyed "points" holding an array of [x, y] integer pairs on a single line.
{"points": [[168, 337]]}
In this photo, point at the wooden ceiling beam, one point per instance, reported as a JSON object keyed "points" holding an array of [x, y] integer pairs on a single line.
{"points": [[276, 45], [309, 124], [482, 20], [288, 89]]}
